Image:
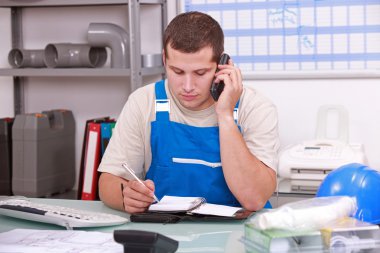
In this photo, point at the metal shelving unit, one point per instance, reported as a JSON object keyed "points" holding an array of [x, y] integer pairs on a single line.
{"points": [[84, 72], [57, 3], [135, 72]]}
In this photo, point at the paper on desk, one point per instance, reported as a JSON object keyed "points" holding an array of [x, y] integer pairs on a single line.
{"points": [[174, 203], [219, 210], [58, 241]]}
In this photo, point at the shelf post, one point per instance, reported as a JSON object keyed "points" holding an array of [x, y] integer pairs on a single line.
{"points": [[18, 82], [164, 24], [134, 42]]}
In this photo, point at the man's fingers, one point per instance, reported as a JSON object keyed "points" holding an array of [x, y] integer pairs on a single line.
{"points": [[150, 184], [133, 193], [130, 209], [136, 203], [137, 196], [137, 186]]}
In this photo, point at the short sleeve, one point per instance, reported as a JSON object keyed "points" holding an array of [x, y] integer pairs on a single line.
{"points": [[127, 143], [259, 123]]}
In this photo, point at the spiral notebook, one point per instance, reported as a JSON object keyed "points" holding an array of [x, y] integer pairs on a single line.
{"points": [[194, 205]]}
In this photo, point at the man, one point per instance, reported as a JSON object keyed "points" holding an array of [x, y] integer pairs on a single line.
{"points": [[176, 137]]}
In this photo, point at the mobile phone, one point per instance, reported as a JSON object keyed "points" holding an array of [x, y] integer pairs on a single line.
{"points": [[217, 88]]}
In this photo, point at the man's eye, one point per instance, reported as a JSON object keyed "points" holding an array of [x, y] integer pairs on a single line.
{"points": [[201, 73], [178, 72]]}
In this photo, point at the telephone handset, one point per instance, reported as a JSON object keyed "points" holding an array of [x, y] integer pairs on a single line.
{"points": [[217, 88]]}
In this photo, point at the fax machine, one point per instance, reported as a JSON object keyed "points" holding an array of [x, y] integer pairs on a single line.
{"points": [[313, 160]]}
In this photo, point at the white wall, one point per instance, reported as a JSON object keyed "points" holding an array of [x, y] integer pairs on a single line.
{"points": [[297, 100]]}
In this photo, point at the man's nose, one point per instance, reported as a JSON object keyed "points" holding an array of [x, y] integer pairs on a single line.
{"points": [[188, 85]]}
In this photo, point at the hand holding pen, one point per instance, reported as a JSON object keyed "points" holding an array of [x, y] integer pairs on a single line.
{"points": [[137, 195]]}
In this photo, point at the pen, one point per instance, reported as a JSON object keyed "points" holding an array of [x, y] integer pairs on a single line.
{"points": [[138, 179]]}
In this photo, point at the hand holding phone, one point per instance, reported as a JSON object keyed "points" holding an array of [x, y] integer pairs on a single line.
{"points": [[217, 88]]}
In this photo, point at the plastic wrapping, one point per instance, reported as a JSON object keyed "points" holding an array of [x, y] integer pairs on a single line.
{"points": [[355, 242], [309, 214]]}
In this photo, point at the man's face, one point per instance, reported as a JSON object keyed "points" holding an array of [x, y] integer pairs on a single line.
{"points": [[190, 76]]}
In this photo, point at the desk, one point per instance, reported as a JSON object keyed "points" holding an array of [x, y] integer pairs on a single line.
{"points": [[192, 236]]}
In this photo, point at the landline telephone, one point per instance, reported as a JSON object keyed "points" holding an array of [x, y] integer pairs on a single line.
{"points": [[313, 160]]}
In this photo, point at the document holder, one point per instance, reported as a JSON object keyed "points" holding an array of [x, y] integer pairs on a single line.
{"points": [[156, 217], [161, 217], [144, 241]]}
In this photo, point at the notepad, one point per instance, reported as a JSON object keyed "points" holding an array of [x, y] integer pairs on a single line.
{"points": [[194, 205]]}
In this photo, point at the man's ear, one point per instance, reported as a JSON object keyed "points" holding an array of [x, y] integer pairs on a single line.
{"points": [[163, 57]]}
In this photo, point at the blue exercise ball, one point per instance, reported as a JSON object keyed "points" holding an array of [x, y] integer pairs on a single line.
{"points": [[355, 180]]}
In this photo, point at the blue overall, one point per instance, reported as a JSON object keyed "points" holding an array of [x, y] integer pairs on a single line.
{"points": [[186, 159]]}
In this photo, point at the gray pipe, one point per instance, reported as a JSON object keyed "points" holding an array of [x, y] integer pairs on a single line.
{"points": [[22, 58], [151, 60], [114, 37], [74, 55]]}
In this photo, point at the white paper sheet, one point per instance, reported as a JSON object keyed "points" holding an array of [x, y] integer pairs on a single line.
{"points": [[174, 203], [58, 241], [219, 210]]}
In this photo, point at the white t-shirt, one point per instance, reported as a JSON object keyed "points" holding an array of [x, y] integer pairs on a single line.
{"points": [[130, 141]]}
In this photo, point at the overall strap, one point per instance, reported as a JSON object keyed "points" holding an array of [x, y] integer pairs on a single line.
{"points": [[236, 112], [162, 103]]}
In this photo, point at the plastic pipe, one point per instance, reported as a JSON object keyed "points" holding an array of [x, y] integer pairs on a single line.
{"points": [[74, 55], [22, 58], [151, 60], [114, 37]]}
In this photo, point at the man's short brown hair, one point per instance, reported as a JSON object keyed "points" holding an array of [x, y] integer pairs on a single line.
{"points": [[189, 32]]}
